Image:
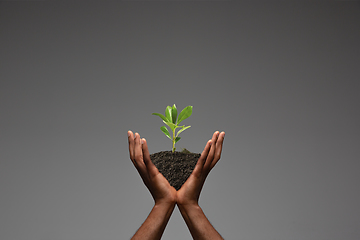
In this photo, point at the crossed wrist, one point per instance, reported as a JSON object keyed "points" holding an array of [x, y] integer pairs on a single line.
{"points": [[165, 203], [188, 206]]}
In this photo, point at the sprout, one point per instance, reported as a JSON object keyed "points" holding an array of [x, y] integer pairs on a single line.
{"points": [[172, 120]]}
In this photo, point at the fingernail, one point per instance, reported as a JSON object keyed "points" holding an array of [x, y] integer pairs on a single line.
{"points": [[142, 141], [128, 133]]}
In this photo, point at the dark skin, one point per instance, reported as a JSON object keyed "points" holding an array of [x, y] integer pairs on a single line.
{"points": [[166, 197]]}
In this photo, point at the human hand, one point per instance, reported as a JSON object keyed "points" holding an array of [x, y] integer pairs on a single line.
{"points": [[189, 193], [159, 187]]}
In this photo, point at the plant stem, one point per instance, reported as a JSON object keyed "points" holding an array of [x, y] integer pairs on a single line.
{"points": [[173, 140]]}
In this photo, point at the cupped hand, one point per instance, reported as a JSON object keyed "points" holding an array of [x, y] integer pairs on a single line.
{"points": [[189, 193], [159, 187]]}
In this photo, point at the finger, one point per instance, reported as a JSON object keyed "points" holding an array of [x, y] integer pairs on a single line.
{"points": [[131, 146], [210, 157], [218, 150], [200, 163], [152, 170], [139, 162], [137, 149]]}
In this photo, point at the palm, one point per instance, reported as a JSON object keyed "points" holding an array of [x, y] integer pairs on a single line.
{"points": [[190, 191], [157, 184], [160, 189]]}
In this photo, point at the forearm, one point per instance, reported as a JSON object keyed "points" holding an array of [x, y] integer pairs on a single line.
{"points": [[198, 224], [155, 223]]}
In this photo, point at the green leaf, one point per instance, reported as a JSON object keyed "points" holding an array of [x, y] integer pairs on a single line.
{"points": [[171, 125], [183, 128], [168, 111], [177, 139], [174, 114], [165, 131], [185, 113], [160, 115]]}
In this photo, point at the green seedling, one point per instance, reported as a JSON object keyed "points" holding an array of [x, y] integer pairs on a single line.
{"points": [[172, 120]]}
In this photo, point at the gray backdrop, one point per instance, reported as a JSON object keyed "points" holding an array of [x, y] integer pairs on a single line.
{"points": [[281, 79]]}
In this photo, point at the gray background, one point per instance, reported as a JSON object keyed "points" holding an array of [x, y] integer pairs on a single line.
{"points": [[281, 79]]}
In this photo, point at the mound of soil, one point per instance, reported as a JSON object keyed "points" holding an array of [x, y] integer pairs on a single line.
{"points": [[175, 167]]}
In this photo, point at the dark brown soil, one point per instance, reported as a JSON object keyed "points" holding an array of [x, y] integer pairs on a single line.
{"points": [[176, 167]]}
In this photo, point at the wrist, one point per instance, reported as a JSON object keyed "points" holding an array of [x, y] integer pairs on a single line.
{"points": [[164, 208], [189, 207], [164, 204]]}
